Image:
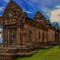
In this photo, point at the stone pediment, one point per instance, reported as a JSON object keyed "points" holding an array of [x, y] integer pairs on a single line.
{"points": [[39, 15], [12, 10], [13, 13]]}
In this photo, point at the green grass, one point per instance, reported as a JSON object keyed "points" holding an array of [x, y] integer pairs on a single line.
{"points": [[44, 54]]}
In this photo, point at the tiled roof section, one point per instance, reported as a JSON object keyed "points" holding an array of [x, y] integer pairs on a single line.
{"points": [[35, 23], [40, 17], [47, 22]]}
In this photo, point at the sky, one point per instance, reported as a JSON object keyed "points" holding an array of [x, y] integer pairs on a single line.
{"points": [[49, 8]]}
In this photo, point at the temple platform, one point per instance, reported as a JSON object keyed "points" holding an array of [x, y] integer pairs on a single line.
{"points": [[8, 53]]}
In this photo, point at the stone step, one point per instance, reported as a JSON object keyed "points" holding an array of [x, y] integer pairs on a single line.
{"points": [[7, 56], [3, 51], [7, 50], [26, 53]]}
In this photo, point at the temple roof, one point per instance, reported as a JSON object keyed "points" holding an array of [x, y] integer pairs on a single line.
{"points": [[39, 15], [13, 3]]}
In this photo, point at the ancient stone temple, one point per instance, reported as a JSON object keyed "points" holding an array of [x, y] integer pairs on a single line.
{"points": [[13, 19], [18, 29], [23, 35], [18, 32]]}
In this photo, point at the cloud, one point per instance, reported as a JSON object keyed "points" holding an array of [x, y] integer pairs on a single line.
{"points": [[2, 9], [35, 1], [47, 11], [55, 15], [7, 0], [58, 7], [29, 12], [0, 34]]}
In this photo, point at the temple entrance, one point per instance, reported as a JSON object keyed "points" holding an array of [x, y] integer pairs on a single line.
{"points": [[11, 36]]}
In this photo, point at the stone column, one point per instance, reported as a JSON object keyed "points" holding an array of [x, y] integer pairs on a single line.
{"points": [[15, 38], [37, 35], [47, 35], [4, 37], [18, 36], [5, 41], [33, 35], [40, 35], [45, 39], [8, 37]]}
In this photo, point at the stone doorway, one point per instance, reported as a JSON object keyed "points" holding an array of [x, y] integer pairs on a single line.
{"points": [[12, 34]]}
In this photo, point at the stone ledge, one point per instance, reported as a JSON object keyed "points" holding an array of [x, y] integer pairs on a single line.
{"points": [[7, 56], [26, 54]]}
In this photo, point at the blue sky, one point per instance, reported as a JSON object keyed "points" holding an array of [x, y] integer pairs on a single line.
{"points": [[49, 8]]}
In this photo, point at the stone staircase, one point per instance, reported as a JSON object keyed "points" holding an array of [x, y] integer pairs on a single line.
{"points": [[7, 53], [10, 53], [4, 50]]}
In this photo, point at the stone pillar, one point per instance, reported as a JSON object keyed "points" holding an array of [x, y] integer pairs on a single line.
{"points": [[47, 35], [37, 35], [24, 36], [18, 36], [40, 35], [8, 37], [45, 39], [4, 37], [50, 35], [5, 41], [15, 38], [33, 35]]}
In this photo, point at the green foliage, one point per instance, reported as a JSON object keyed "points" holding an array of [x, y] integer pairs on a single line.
{"points": [[46, 54]]}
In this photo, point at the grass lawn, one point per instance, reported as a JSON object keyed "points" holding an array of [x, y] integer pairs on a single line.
{"points": [[47, 54]]}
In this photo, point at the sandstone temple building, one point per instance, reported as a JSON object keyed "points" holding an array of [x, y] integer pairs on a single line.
{"points": [[23, 34]]}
